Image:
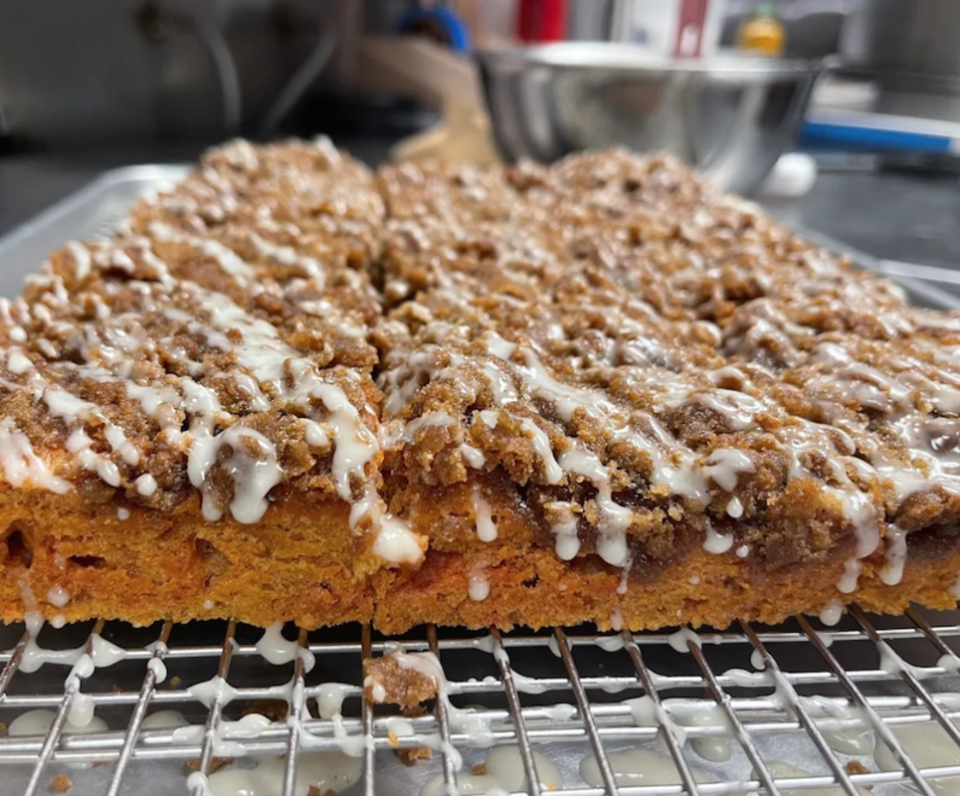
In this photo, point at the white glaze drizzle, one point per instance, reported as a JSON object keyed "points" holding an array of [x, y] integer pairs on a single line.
{"points": [[39, 721], [676, 716], [928, 746], [724, 466], [164, 720], [832, 612], [541, 445], [478, 587], [565, 529], [276, 649], [717, 543], [325, 771], [211, 690], [680, 639], [636, 767], [485, 524], [330, 697], [896, 556], [58, 596], [503, 773], [615, 519], [846, 729]]}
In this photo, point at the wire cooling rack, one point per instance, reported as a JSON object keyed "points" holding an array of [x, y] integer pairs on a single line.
{"points": [[562, 694]]}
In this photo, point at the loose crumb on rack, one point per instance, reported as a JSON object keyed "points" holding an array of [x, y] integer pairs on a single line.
{"points": [[175, 681], [315, 791], [392, 680], [410, 756], [273, 709], [3, 729], [193, 763], [413, 711], [61, 783], [856, 767], [479, 769]]}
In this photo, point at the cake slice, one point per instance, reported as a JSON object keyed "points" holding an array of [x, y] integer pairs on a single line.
{"points": [[189, 426], [629, 400]]}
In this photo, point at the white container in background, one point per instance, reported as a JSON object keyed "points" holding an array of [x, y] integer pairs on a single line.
{"points": [[654, 24]]}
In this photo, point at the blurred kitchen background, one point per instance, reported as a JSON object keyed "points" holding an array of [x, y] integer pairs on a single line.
{"points": [[871, 157]]}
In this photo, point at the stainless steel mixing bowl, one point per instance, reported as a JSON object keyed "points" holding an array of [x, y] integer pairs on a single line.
{"points": [[731, 117]]}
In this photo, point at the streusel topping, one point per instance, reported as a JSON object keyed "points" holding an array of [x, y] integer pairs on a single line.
{"points": [[645, 355], [652, 365], [218, 345]]}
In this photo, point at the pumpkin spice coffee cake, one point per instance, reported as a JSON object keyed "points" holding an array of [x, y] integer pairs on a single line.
{"points": [[291, 389]]}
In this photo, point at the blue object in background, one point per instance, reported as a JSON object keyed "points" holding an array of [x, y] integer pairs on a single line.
{"points": [[875, 138], [440, 23]]}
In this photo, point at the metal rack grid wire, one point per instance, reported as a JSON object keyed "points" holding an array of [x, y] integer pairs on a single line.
{"points": [[523, 710]]}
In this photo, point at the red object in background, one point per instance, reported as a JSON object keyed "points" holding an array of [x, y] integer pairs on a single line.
{"points": [[693, 15], [542, 20]]}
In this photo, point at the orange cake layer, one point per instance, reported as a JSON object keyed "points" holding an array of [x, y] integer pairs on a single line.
{"points": [[292, 389], [74, 564]]}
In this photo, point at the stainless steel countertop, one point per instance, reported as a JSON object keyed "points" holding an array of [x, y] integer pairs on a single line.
{"points": [[890, 215]]}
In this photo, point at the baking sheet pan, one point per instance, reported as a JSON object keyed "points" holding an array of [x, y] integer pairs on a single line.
{"points": [[93, 212]]}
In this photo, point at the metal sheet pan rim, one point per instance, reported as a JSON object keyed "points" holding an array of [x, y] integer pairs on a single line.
{"points": [[51, 217]]}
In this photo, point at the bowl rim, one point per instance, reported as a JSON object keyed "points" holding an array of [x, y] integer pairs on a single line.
{"points": [[631, 57]]}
